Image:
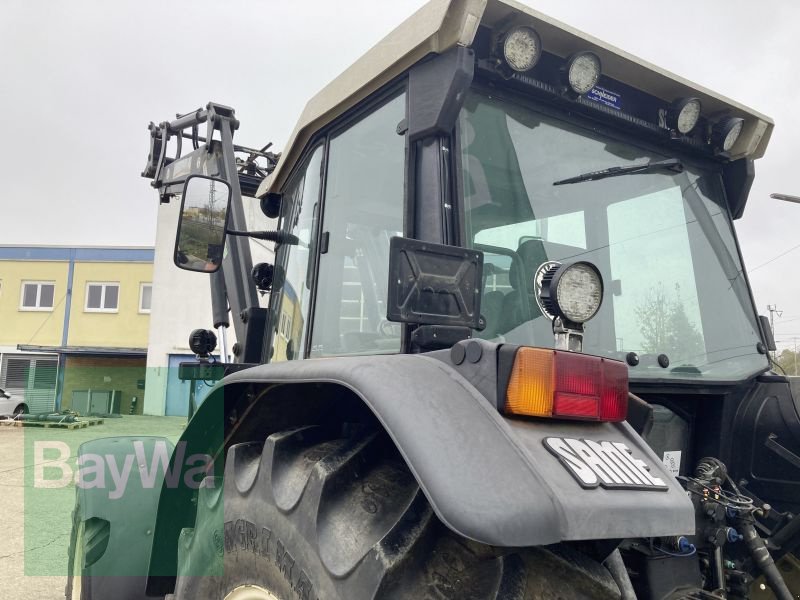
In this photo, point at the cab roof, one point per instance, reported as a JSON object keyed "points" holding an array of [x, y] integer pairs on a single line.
{"points": [[443, 24]]}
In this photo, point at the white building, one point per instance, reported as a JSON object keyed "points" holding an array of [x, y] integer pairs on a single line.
{"points": [[181, 302]]}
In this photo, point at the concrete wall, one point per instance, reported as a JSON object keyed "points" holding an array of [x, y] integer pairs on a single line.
{"points": [[105, 373], [40, 327], [127, 327]]}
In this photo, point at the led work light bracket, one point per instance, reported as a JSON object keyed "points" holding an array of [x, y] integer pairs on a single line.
{"points": [[569, 336]]}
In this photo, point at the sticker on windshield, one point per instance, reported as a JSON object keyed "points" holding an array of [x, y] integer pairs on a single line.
{"points": [[607, 464], [606, 97], [672, 460]]}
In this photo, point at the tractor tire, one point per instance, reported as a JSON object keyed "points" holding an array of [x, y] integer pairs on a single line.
{"points": [[315, 514]]}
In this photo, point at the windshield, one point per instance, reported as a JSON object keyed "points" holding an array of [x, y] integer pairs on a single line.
{"points": [[662, 241]]}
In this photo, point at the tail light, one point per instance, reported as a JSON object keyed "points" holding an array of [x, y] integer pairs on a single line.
{"points": [[552, 383]]}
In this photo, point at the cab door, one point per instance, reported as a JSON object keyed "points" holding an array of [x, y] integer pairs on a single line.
{"points": [[363, 209], [294, 264]]}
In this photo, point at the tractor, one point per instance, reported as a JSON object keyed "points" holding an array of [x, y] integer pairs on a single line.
{"points": [[507, 347]]}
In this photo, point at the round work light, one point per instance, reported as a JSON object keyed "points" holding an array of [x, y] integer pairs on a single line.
{"points": [[522, 48], [684, 114], [583, 72], [573, 292], [202, 342], [725, 133]]}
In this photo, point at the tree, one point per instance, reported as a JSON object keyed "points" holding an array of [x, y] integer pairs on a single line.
{"points": [[666, 328], [789, 361]]}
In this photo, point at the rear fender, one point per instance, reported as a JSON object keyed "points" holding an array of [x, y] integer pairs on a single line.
{"points": [[489, 478]]}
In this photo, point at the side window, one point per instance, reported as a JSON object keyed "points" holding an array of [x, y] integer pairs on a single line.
{"points": [[363, 210], [291, 304]]}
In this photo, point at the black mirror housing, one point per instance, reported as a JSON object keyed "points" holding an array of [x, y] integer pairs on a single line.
{"points": [[433, 284]]}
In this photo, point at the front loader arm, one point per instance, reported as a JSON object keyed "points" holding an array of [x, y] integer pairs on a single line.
{"points": [[216, 158]]}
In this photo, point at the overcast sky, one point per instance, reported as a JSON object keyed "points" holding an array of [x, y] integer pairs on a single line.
{"points": [[80, 80]]}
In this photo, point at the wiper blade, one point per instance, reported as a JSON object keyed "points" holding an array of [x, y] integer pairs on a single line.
{"points": [[670, 164]]}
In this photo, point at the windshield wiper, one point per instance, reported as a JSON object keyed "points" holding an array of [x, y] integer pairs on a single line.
{"points": [[670, 164]]}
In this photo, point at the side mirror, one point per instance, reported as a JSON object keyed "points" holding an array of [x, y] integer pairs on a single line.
{"points": [[766, 329], [200, 241]]}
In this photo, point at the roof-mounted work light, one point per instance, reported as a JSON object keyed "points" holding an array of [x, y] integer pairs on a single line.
{"points": [[521, 48], [582, 72], [725, 133], [684, 114]]}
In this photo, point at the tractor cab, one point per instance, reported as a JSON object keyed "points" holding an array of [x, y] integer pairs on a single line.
{"points": [[509, 249]]}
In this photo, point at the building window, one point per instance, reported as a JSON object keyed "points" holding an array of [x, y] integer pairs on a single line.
{"points": [[102, 297], [37, 295], [145, 297]]}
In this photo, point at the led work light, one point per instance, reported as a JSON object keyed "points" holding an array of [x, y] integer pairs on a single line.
{"points": [[521, 48], [725, 133], [582, 72], [684, 114]]}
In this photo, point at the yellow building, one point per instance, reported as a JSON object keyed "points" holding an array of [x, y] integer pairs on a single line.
{"points": [[74, 325]]}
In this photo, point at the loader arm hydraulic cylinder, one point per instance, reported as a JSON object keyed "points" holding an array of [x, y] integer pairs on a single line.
{"points": [[237, 262]]}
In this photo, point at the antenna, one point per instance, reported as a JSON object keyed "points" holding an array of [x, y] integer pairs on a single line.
{"points": [[772, 308]]}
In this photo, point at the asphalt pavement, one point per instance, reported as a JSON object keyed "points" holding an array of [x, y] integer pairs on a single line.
{"points": [[36, 522]]}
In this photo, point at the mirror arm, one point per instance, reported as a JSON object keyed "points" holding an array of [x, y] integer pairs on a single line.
{"points": [[279, 237]]}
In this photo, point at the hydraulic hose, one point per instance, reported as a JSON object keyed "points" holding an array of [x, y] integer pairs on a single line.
{"points": [[788, 537], [758, 550], [616, 567]]}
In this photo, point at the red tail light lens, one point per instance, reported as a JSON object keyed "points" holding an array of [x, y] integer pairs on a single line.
{"points": [[551, 383]]}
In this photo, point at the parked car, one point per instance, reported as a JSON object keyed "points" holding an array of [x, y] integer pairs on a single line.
{"points": [[10, 406]]}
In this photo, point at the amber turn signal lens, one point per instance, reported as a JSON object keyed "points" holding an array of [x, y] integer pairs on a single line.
{"points": [[532, 382]]}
